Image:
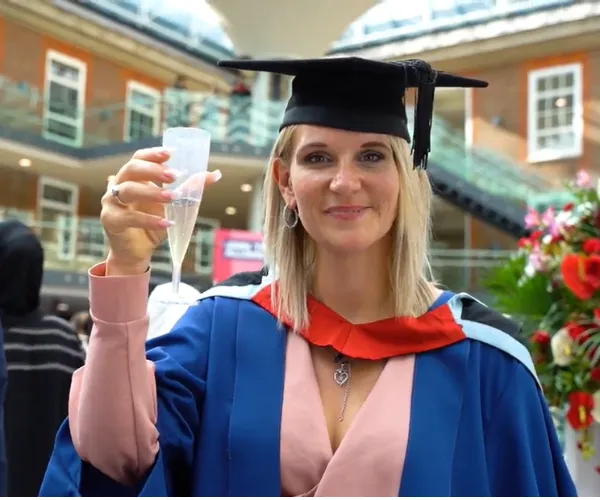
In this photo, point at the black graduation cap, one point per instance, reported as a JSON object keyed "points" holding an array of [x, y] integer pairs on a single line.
{"points": [[361, 95]]}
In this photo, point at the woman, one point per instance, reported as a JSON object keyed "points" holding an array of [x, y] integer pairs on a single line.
{"points": [[346, 372]]}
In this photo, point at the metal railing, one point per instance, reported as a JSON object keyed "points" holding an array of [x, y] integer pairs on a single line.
{"points": [[251, 122], [74, 244]]}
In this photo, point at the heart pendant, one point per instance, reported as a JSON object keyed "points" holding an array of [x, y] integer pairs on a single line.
{"points": [[341, 376]]}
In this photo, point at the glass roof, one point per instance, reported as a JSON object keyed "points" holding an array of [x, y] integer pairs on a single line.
{"points": [[190, 22], [394, 18]]}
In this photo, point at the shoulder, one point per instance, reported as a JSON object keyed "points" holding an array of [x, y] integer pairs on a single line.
{"points": [[495, 333]]}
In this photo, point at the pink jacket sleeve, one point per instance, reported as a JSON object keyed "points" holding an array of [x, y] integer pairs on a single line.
{"points": [[112, 406]]}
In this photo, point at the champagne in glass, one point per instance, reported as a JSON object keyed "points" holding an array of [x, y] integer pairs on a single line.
{"points": [[189, 148]]}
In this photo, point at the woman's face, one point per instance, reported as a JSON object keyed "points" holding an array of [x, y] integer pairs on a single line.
{"points": [[344, 186]]}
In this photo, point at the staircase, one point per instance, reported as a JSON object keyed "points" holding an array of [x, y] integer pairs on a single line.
{"points": [[481, 182]]}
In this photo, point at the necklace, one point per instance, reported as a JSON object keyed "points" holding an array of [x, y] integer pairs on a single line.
{"points": [[342, 376]]}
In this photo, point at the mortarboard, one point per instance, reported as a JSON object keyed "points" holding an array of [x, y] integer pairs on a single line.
{"points": [[361, 95]]}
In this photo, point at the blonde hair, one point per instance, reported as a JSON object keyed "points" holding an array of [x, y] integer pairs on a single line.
{"points": [[289, 251]]}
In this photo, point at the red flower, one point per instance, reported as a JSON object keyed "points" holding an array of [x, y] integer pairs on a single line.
{"points": [[532, 240], [592, 245], [541, 338], [581, 274], [568, 207], [579, 414], [579, 333], [595, 374], [536, 236]]}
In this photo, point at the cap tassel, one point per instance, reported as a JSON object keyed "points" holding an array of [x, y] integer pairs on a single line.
{"points": [[421, 144]]}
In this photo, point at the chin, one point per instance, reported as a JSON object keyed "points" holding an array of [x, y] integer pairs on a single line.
{"points": [[350, 242]]}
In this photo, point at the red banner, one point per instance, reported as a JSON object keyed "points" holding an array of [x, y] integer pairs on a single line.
{"points": [[236, 251]]}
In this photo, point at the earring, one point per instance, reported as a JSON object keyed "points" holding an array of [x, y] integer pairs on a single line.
{"points": [[290, 217]]}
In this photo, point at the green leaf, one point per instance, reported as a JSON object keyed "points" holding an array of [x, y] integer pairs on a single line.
{"points": [[513, 294]]}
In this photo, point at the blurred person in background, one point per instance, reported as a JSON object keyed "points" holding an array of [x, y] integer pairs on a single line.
{"points": [[61, 310], [3, 382], [42, 352], [81, 323]]}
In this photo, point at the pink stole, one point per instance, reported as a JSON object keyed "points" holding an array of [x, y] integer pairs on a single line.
{"points": [[370, 459]]}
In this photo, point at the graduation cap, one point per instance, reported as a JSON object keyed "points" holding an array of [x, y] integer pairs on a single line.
{"points": [[361, 95]]}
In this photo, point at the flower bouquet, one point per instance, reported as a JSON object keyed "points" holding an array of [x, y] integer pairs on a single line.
{"points": [[552, 285]]}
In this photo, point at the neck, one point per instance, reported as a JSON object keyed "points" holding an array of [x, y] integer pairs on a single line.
{"points": [[355, 286]]}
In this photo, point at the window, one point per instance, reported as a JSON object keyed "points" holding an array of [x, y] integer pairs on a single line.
{"points": [[65, 99], [57, 215], [142, 114], [555, 113]]}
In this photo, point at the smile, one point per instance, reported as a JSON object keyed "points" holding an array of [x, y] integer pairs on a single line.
{"points": [[346, 213]]}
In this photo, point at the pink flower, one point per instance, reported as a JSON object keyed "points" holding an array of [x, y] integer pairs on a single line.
{"points": [[548, 217], [583, 179], [537, 260], [532, 219]]}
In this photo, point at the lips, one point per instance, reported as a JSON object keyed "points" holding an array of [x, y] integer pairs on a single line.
{"points": [[346, 213]]}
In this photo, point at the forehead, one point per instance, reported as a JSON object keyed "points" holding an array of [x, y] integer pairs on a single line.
{"points": [[311, 134]]}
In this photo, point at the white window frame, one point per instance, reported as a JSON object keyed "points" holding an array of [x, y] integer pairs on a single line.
{"points": [[534, 155], [79, 122], [67, 208], [133, 86]]}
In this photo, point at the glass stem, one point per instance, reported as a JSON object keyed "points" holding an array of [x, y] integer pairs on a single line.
{"points": [[176, 279]]}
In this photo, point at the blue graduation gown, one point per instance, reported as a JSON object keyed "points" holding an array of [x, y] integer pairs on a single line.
{"points": [[479, 424]]}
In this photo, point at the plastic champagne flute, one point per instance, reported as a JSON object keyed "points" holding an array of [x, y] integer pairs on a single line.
{"points": [[189, 148]]}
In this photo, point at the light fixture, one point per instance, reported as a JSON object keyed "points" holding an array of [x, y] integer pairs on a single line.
{"points": [[230, 210], [25, 162], [561, 102], [246, 188]]}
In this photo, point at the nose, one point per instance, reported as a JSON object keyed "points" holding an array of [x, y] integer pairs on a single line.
{"points": [[346, 178]]}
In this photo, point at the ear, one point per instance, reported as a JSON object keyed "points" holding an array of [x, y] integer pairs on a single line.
{"points": [[281, 174]]}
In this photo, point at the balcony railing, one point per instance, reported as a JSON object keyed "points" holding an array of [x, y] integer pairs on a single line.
{"points": [[238, 124], [74, 244]]}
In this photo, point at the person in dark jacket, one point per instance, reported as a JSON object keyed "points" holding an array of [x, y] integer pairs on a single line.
{"points": [[3, 382], [42, 352]]}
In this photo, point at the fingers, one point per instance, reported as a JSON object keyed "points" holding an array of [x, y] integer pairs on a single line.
{"points": [[193, 186], [138, 170], [154, 155], [114, 220], [138, 192], [212, 177]]}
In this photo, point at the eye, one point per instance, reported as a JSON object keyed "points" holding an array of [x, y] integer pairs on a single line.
{"points": [[316, 158], [371, 157]]}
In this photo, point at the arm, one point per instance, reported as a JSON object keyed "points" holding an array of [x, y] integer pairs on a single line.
{"points": [[523, 453], [120, 401]]}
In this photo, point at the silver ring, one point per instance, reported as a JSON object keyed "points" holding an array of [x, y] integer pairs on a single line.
{"points": [[114, 191]]}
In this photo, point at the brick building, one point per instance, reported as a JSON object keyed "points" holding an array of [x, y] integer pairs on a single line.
{"points": [[83, 84]]}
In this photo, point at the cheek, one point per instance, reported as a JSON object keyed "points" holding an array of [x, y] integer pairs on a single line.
{"points": [[304, 186], [387, 189]]}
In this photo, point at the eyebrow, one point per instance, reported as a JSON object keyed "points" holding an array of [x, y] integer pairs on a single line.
{"points": [[371, 144]]}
